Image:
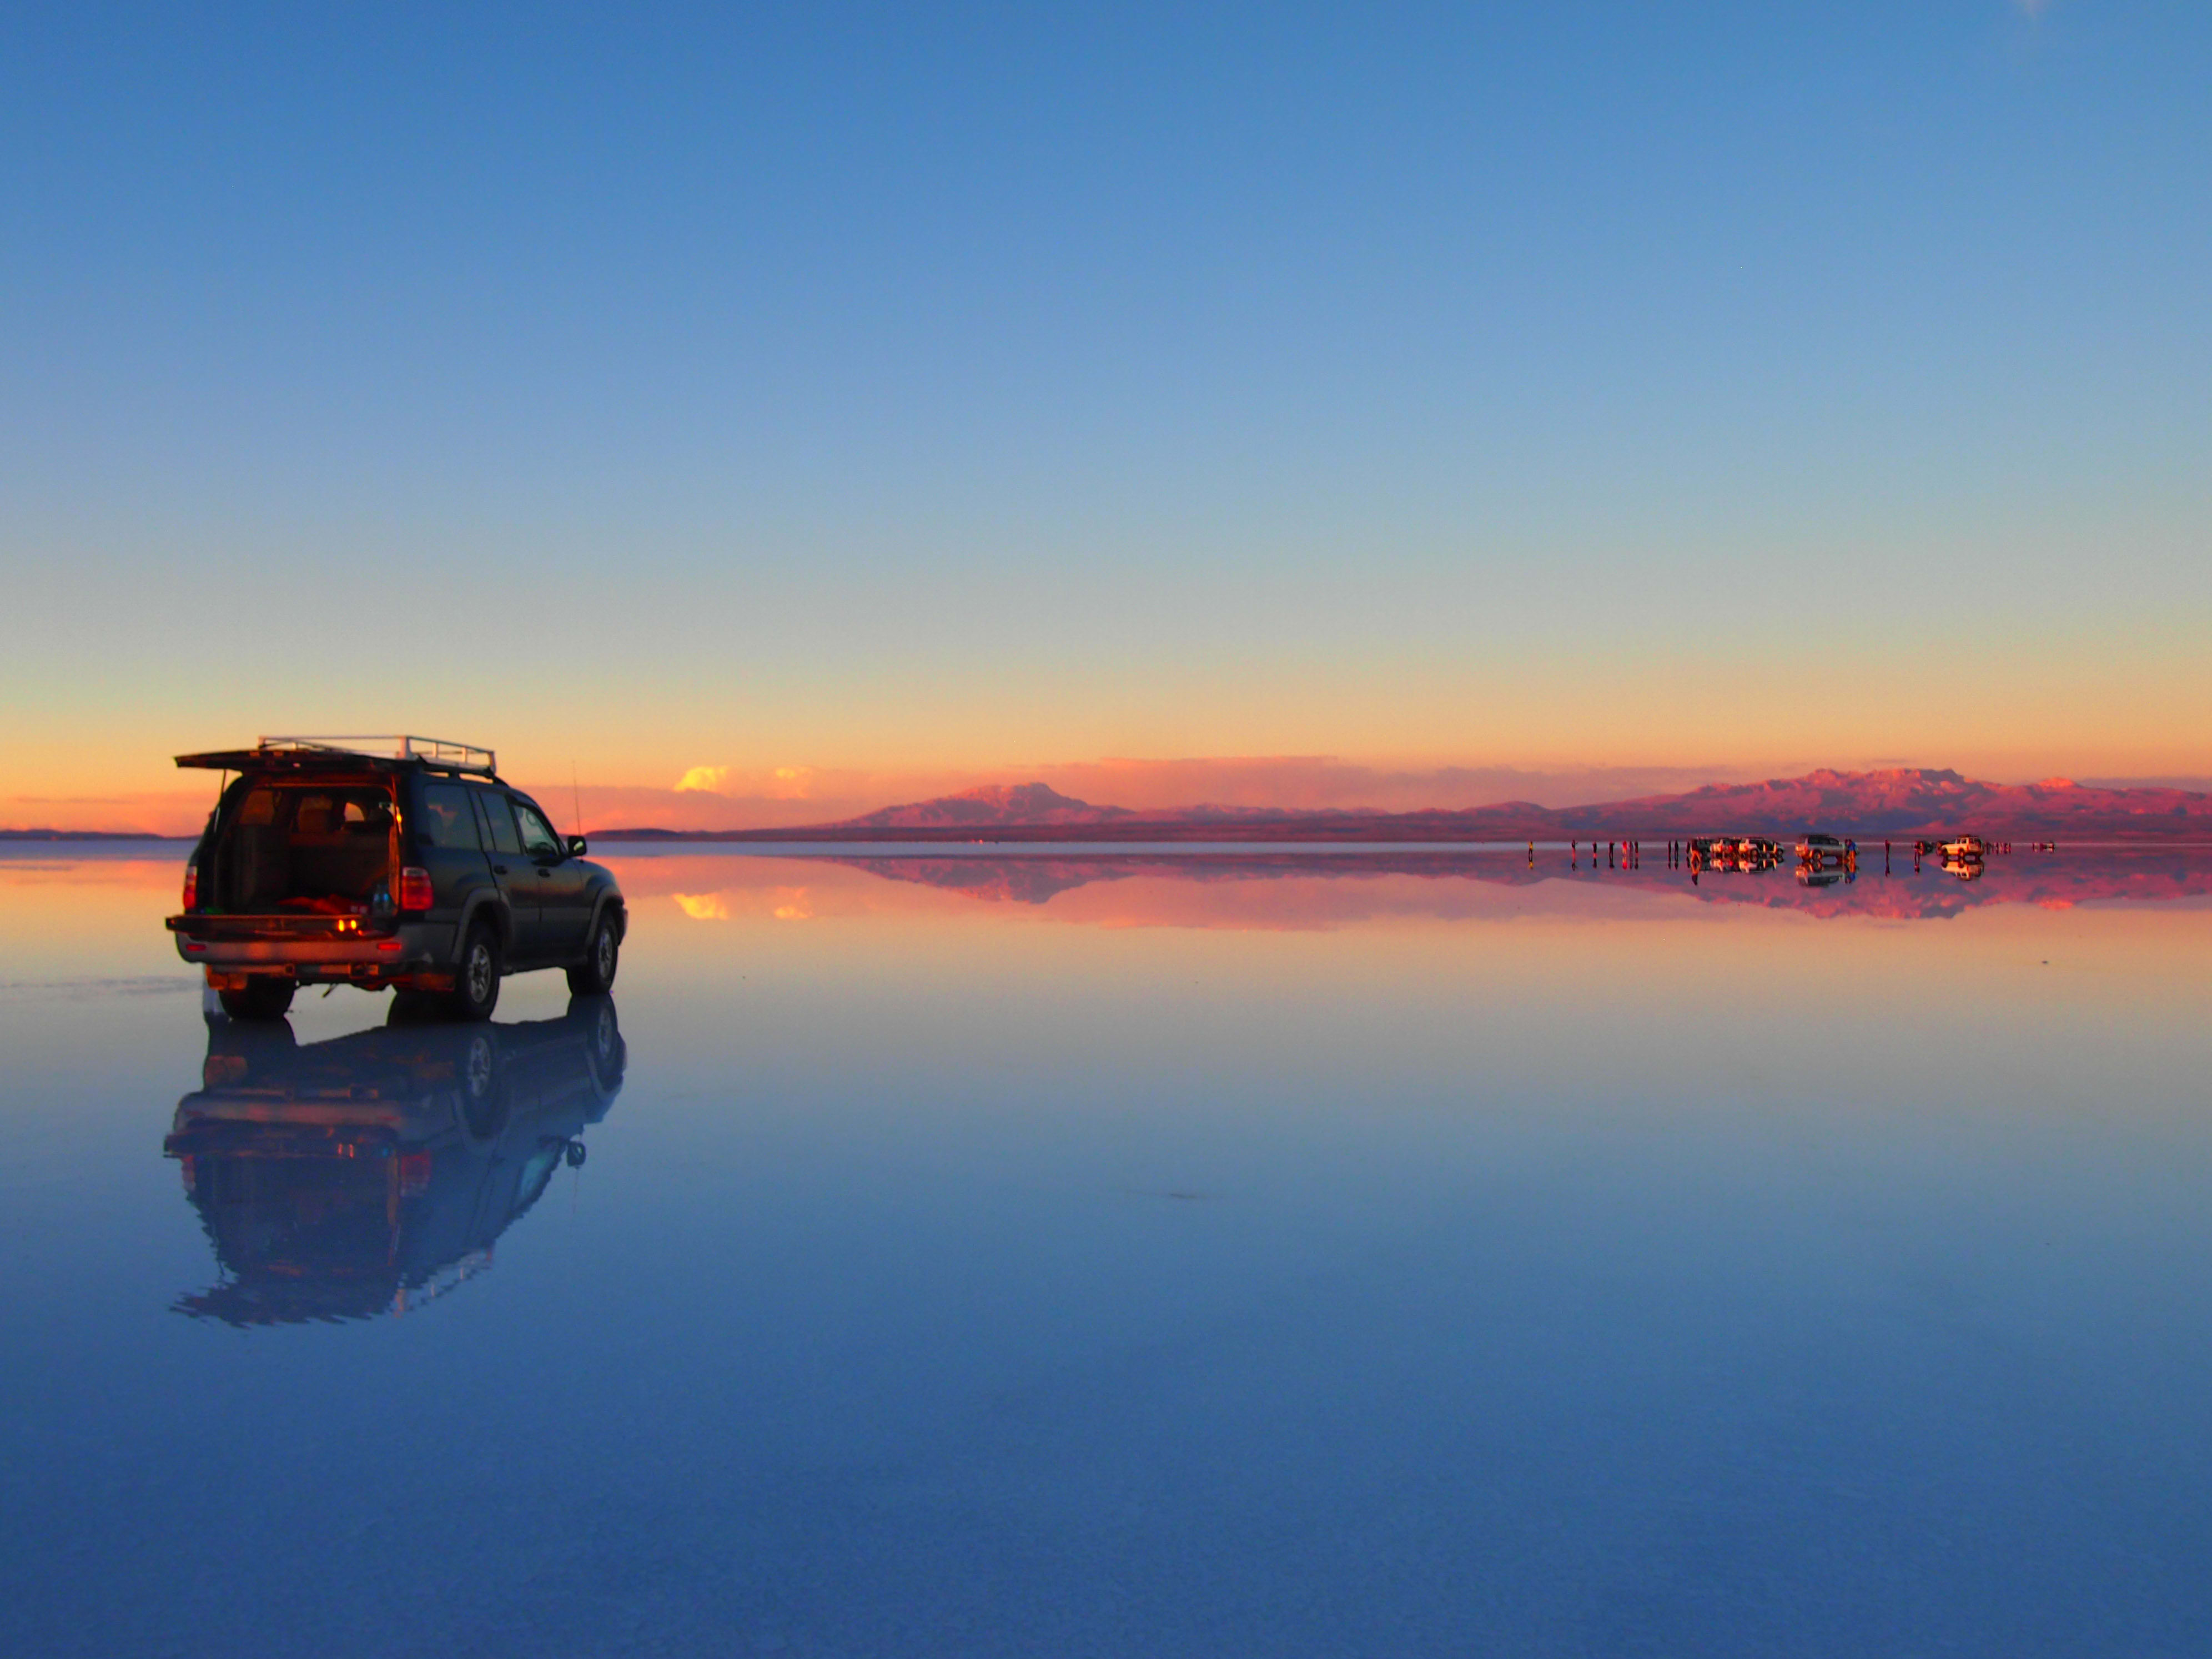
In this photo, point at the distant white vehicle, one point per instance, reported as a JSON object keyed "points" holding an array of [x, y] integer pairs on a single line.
{"points": [[1818, 852]]}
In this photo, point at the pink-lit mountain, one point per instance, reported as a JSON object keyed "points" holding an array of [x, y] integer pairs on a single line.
{"points": [[989, 807], [1899, 803]]}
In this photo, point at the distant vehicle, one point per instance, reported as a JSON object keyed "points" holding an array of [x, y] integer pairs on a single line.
{"points": [[1964, 846], [1735, 853], [371, 1173], [1822, 852], [399, 862]]}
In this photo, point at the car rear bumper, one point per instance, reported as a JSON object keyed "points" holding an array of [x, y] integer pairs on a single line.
{"points": [[409, 949]]}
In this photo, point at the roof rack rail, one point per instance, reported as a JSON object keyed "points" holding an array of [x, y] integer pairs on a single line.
{"points": [[432, 752]]}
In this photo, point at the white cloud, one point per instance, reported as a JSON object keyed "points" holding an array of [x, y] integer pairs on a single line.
{"points": [[703, 780]]}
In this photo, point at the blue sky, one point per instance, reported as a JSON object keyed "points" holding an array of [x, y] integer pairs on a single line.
{"points": [[910, 388]]}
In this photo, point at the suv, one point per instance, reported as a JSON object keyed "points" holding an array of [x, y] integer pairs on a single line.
{"points": [[400, 863]]}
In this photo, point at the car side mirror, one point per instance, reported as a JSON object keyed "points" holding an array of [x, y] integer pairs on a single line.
{"points": [[578, 846]]}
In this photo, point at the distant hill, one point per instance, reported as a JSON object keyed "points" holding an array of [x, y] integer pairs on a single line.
{"points": [[1901, 802], [87, 835], [991, 806]]}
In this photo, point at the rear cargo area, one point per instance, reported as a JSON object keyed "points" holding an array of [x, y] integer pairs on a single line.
{"points": [[306, 849]]}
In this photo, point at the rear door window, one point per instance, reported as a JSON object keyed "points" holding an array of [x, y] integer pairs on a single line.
{"points": [[317, 847], [537, 837], [446, 820], [500, 820]]}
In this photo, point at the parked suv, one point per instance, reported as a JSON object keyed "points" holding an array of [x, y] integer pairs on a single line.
{"points": [[401, 863]]}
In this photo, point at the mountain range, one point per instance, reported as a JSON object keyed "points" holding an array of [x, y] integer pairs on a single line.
{"points": [[1901, 802]]}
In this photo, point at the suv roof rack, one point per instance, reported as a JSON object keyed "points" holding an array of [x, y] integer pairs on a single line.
{"points": [[441, 752]]}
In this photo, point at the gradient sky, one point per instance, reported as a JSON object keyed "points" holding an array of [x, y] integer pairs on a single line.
{"points": [[909, 397]]}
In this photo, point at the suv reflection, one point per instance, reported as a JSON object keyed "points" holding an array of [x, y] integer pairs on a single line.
{"points": [[367, 1174]]}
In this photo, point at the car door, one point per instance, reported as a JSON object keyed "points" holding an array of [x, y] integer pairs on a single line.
{"points": [[449, 842], [516, 874], [563, 901]]}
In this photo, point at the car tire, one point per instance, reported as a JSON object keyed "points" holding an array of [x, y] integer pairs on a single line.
{"points": [[475, 976], [264, 996], [484, 1100], [595, 975]]}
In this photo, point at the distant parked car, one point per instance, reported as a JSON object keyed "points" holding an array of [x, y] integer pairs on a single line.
{"points": [[1818, 852], [1745, 854], [402, 863]]}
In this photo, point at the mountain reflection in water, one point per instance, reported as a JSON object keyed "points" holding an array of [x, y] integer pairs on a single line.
{"points": [[1939, 890], [360, 1175]]}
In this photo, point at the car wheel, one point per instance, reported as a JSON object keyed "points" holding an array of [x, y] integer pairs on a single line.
{"points": [[264, 996], [483, 1103], [476, 983], [595, 975]]}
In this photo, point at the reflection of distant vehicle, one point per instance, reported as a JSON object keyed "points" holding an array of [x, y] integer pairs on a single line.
{"points": [[351, 1177], [1966, 869]]}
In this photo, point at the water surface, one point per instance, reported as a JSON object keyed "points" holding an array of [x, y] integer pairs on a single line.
{"points": [[1374, 1252]]}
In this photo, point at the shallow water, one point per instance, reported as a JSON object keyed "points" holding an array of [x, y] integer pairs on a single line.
{"points": [[1152, 1253]]}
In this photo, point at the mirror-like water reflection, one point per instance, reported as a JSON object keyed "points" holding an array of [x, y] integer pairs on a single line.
{"points": [[1335, 1254], [358, 1175]]}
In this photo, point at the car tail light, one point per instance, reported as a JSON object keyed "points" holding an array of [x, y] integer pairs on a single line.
{"points": [[191, 885], [414, 888]]}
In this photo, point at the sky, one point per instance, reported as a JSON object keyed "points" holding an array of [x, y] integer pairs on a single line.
{"points": [[833, 405]]}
